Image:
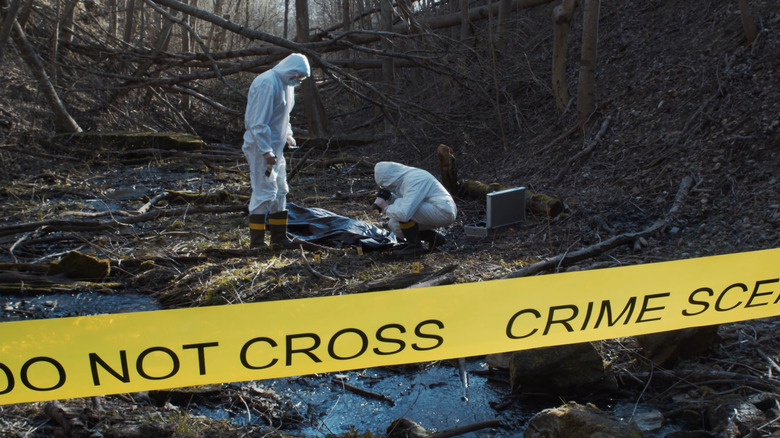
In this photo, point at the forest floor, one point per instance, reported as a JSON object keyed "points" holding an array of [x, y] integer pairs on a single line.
{"points": [[681, 95]]}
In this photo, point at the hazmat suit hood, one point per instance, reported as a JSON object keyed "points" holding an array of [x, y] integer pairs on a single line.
{"points": [[387, 173], [292, 66]]}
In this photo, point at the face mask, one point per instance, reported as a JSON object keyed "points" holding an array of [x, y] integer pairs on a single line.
{"points": [[294, 82]]}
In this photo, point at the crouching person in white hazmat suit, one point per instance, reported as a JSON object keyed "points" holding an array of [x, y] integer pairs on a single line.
{"points": [[416, 204], [268, 131]]}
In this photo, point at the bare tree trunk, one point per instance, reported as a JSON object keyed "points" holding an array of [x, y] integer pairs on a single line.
{"points": [[590, 38], [24, 13], [8, 21], [62, 119], [286, 17], [160, 45], [213, 29], [747, 22], [113, 17], [502, 28], [185, 48], [465, 24], [386, 13], [55, 45], [562, 15], [66, 21], [236, 14], [315, 111], [365, 19], [346, 15], [127, 33]]}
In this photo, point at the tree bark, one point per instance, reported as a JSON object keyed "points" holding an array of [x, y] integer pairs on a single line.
{"points": [[502, 28], [316, 119], [465, 23], [185, 48], [213, 28], [8, 21], [387, 62], [113, 17], [286, 18], [562, 15], [346, 15], [590, 38], [127, 33], [747, 22], [66, 21], [62, 119]]}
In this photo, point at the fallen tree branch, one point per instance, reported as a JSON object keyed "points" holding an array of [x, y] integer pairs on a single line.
{"points": [[569, 258], [346, 160], [363, 392], [312, 271], [460, 430]]}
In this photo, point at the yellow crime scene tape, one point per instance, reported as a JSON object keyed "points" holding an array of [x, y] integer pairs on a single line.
{"points": [[129, 352]]}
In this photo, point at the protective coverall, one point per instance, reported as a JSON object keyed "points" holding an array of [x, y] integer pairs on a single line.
{"points": [[419, 202], [267, 123]]}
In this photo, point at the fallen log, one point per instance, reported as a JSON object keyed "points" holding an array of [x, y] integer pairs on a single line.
{"points": [[219, 197], [53, 225], [129, 141], [535, 203], [402, 281]]}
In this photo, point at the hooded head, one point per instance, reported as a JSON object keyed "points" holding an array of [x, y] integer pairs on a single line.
{"points": [[387, 173], [293, 69]]}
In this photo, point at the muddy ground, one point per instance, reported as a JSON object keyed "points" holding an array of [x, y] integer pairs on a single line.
{"points": [[680, 94]]}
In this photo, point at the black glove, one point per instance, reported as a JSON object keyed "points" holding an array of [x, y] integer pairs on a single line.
{"points": [[383, 194]]}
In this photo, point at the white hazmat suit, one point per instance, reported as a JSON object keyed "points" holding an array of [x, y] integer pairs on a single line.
{"points": [[268, 131], [267, 122], [416, 196]]}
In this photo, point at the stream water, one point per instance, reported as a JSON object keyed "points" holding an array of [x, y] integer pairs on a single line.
{"points": [[433, 397]]}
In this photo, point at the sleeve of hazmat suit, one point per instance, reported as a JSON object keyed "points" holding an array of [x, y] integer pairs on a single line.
{"points": [[264, 105]]}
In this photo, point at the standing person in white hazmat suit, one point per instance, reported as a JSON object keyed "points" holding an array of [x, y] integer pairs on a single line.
{"points": [[416, 204], [268, 131]]}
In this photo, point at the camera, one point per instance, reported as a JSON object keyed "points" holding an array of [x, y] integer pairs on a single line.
{"points": [[381, 193]]}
